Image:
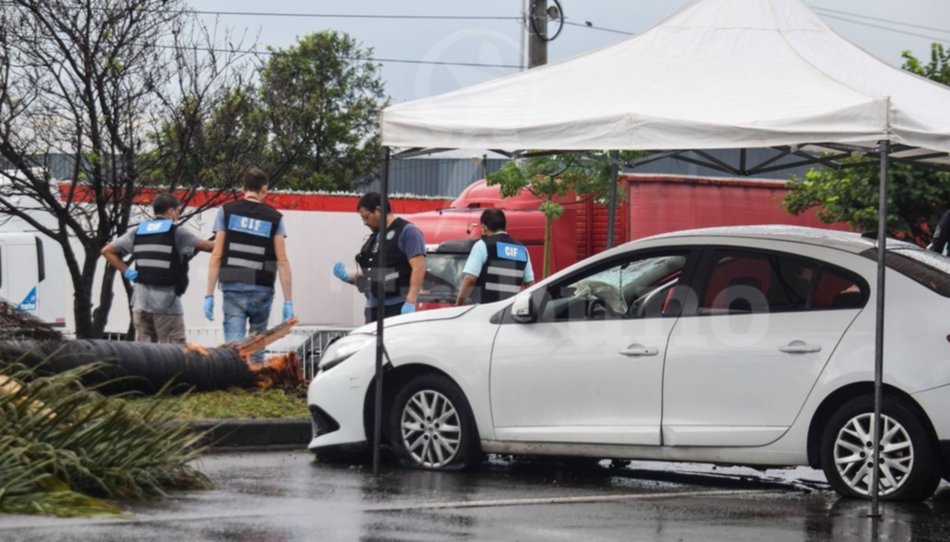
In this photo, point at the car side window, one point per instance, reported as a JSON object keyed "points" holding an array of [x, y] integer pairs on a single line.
{"points": [[639, 287], [838, 289], [742, 282]]}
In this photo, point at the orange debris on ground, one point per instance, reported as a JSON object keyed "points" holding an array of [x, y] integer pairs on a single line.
{"points": [[259, 340], [281, 371]]}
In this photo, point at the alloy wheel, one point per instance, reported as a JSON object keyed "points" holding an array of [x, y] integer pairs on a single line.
{"points": [[853, 454], [431, 429]]}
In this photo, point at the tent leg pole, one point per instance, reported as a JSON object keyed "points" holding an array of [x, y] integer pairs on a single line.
{"points": [[380, 315], [612, 210], [885, 149]]}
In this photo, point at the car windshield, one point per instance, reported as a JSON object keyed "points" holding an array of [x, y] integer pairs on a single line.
{"points": [[619, 286], [443, 276]]}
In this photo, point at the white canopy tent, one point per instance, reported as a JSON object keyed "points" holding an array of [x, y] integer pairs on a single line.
{"points": [[718, 74]]}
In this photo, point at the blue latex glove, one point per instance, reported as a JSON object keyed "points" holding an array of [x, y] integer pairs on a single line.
{"points": [[209, 307], [288, 310], [130, 274], [408, 308], [339, 271]]}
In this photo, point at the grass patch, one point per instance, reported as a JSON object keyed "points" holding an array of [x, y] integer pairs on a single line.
{"points": [[64, 446], [235, 403]]}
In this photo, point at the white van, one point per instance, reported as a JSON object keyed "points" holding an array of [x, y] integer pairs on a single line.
{"points": [[25, 259]]}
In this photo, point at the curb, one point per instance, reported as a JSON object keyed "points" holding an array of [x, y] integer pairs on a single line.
{"points": [[255, 434]]}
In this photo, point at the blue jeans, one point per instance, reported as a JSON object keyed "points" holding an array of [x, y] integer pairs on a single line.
{"points": [[246, 308]]}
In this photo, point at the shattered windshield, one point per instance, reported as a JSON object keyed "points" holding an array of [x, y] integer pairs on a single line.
{"points": [[443, 276]]}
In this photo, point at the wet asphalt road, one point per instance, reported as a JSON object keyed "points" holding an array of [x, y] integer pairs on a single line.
{"points": [[285, 496]]}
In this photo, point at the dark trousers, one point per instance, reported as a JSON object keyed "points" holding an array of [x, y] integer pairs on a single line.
{"points": [[391, 310]]}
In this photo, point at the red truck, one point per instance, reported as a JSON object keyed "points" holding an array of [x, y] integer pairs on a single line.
{"points": [[650, 204]]}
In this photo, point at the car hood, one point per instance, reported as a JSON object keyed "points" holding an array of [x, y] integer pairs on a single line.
{"points": [[422, 316]]}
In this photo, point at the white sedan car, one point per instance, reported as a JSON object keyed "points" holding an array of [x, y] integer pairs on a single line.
{"points": [[745, 345]]}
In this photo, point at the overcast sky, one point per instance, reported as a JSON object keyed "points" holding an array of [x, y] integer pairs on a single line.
{"points": [[881, 27]]}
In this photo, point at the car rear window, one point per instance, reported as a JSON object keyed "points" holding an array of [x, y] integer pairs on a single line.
{"points": [[922, 266]]}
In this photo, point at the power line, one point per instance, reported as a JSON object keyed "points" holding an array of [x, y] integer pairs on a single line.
{"points": [[326, 15], [361, 59], [587, 24], [354, 15], [889, 21], [889, 29]]}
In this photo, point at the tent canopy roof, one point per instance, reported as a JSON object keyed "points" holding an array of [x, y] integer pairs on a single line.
{"points": [[717, 74]]}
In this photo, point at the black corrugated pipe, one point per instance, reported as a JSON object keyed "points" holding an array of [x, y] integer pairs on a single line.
{"points": [[134, 366]]}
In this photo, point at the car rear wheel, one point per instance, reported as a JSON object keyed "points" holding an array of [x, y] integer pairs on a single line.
{"points": [[431, 425], [908, 467]]}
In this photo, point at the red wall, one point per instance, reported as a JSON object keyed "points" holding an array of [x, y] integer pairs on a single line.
{"points": [[660, 204], [591, 231]]}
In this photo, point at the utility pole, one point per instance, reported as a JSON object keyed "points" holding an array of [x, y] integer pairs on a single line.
{"points": [[537, 24], [524, 31]]}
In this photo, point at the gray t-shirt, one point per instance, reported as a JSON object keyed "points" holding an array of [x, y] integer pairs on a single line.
{"points": [[158, 299]]}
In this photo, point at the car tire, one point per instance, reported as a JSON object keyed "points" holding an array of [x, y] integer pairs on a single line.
{"points": [[431, 425], [912, 466]]}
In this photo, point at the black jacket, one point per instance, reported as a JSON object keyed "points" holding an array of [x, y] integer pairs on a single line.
{"points": [[941, 234], [397, 273]]}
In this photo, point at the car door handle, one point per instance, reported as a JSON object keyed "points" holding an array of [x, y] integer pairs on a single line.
{"points": [[639, 350], [800, 347]]}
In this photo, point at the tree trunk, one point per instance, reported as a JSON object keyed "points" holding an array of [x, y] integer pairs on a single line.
{"points": [[100, 316], [82, 307], [548, 228]]}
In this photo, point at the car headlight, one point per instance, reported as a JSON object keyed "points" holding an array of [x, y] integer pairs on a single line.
{"points": [[344, 348]]}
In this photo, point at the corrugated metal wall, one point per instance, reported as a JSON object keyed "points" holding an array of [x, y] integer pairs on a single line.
{"points": [[674, 166], [447, 177], [61, 165]]}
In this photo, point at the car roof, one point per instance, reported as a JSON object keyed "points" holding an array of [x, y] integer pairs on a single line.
{"points": [[841, 240]]}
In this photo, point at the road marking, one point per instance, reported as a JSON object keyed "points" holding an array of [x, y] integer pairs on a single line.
{"points": [[567, 500]]}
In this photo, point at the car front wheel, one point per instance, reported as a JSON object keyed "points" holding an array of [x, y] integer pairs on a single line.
{"points": [[908, 466], [431, 425]]}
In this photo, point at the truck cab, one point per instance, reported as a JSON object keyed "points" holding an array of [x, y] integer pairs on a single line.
{"points": [[451, 232]]}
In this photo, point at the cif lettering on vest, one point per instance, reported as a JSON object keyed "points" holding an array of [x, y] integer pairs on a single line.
{"points": [[250, 226], [508, 251]]}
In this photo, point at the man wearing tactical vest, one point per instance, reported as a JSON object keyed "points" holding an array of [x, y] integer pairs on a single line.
{"points": [[161, 251], [498, 266], [249, 254], [405, 261]]}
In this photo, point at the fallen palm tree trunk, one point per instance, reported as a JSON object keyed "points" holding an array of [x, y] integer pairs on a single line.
{"points": [[150, 367]]}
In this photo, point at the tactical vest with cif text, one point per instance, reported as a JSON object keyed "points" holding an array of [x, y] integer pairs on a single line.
{"points": [[502, 274], [156, 258], [249, 255]]}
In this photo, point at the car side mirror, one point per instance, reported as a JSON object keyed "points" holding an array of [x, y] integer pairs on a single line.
{"points": [[522, 310]]}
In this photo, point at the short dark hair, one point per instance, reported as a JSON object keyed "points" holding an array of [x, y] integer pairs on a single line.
{"points": [[494, 219], [164, 202], [370, 201], [255, 180]]}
